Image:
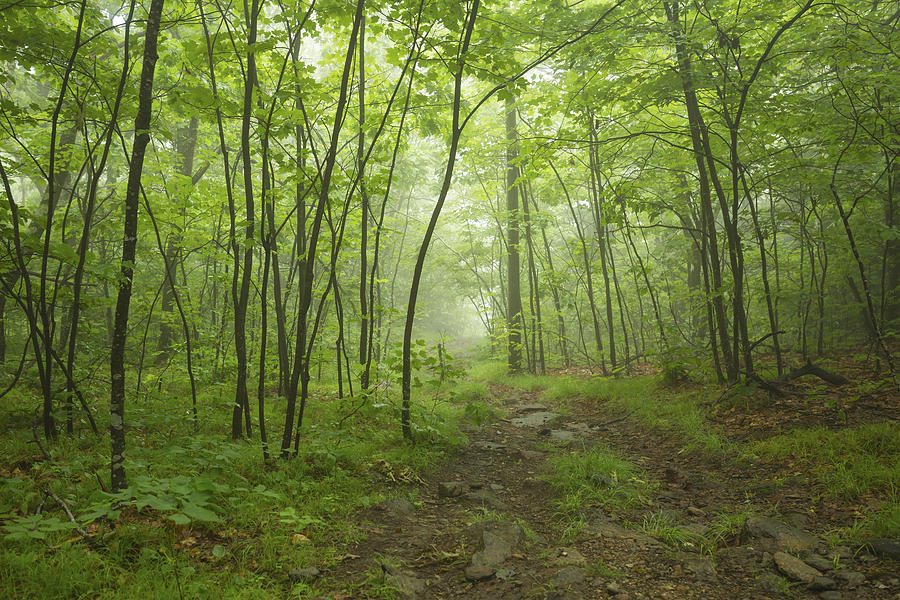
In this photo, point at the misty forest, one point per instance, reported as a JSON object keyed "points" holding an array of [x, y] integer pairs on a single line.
{"points": [[548, 299]]}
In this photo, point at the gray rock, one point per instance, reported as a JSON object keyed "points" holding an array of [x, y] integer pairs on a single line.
{"points": [[496, 487], [562, 436], [569, 576], [614, 588], [397, 507], [819, 562], [696, 512], [306, 575], [496, 541], [851, 579], [479, 572], [795, 568], [529, 408], [570, 556], [451, 489], [842, 552], [823, 584], [484, 498], [886, 548], [770, 583], [410, 586], [831, 595], [531, 455], [703, 569], [778, 535], [609, 529], [535, 419]]}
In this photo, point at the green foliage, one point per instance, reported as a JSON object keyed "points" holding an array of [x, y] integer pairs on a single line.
{"points": [[595, 477]]}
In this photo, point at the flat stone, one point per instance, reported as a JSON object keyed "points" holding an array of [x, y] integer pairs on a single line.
{"points": [[410, 586], [562, 435], [528, 408], [609, 529], [397, 507], [852, 579], [822, 584], [818, 562], [479, 572], [484, 498], [795, 568], [531, 455], [496, 541], [703, 569], [696, 512], [831, 595], [306, 575], [770, 583], [451, 489], [779, 535], [569, 576], [886, 548], [535, 419], [570, 556]]}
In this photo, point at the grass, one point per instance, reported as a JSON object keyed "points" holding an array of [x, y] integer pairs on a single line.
{"points": [[663, 526], [596, 477], [850, 463], [202, 512]]}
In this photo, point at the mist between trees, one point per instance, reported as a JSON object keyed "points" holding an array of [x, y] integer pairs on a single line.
{"points": [[250, 194]]}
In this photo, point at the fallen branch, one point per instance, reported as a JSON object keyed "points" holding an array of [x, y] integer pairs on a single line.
{"points": [[810, 369], [608, 423]]}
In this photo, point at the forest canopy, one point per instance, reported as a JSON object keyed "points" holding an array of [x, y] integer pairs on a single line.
{"points": [[245, 195]]}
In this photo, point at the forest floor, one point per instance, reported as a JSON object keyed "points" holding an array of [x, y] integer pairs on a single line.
{"points": [[580, 499]]}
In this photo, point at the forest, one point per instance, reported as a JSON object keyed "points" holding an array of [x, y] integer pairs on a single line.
{"points": [[422, 299]]}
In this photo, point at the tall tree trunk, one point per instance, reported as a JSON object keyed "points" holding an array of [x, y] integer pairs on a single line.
{"points": [[515, 322], [600, 226], [129, 245]]}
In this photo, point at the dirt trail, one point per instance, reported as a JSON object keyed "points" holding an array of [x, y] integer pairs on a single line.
{"points": [[486, 526]]}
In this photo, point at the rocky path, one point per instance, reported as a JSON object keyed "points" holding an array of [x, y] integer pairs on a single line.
{"points": [[487, 526]]}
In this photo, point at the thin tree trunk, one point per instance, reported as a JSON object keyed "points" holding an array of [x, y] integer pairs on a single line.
{"points": [[129, 245]]}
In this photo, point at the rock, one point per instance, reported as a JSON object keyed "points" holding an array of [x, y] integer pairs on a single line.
{"points": [[410, 586], [614, 588], [851, 579], [569, 576], [496, 541], [529, 408], [535, 419], [306, 575], [696, 512], [818, 562], [451, 489], [842, 552], [479, 572], [484, 498], [606, 528], [601, 480], [770, 583], [886, 548], [778, 535], [496, 487], [703, 569], [562, 436], [569, 556], [795, 568], [531, 455], [822, 584], [831, 595], [396, 507]]}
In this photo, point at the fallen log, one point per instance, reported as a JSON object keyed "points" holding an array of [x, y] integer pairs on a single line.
{"points": [[810, 369]]}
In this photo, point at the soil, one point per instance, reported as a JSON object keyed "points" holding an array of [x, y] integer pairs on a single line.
{"points": [[437, 547]]}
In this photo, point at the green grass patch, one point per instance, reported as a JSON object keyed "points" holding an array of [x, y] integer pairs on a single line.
{"points": [[596, 478], [850, 462], [202, 512]]}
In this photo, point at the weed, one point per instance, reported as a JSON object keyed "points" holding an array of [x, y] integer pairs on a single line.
{"points": [[663, 526]]}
